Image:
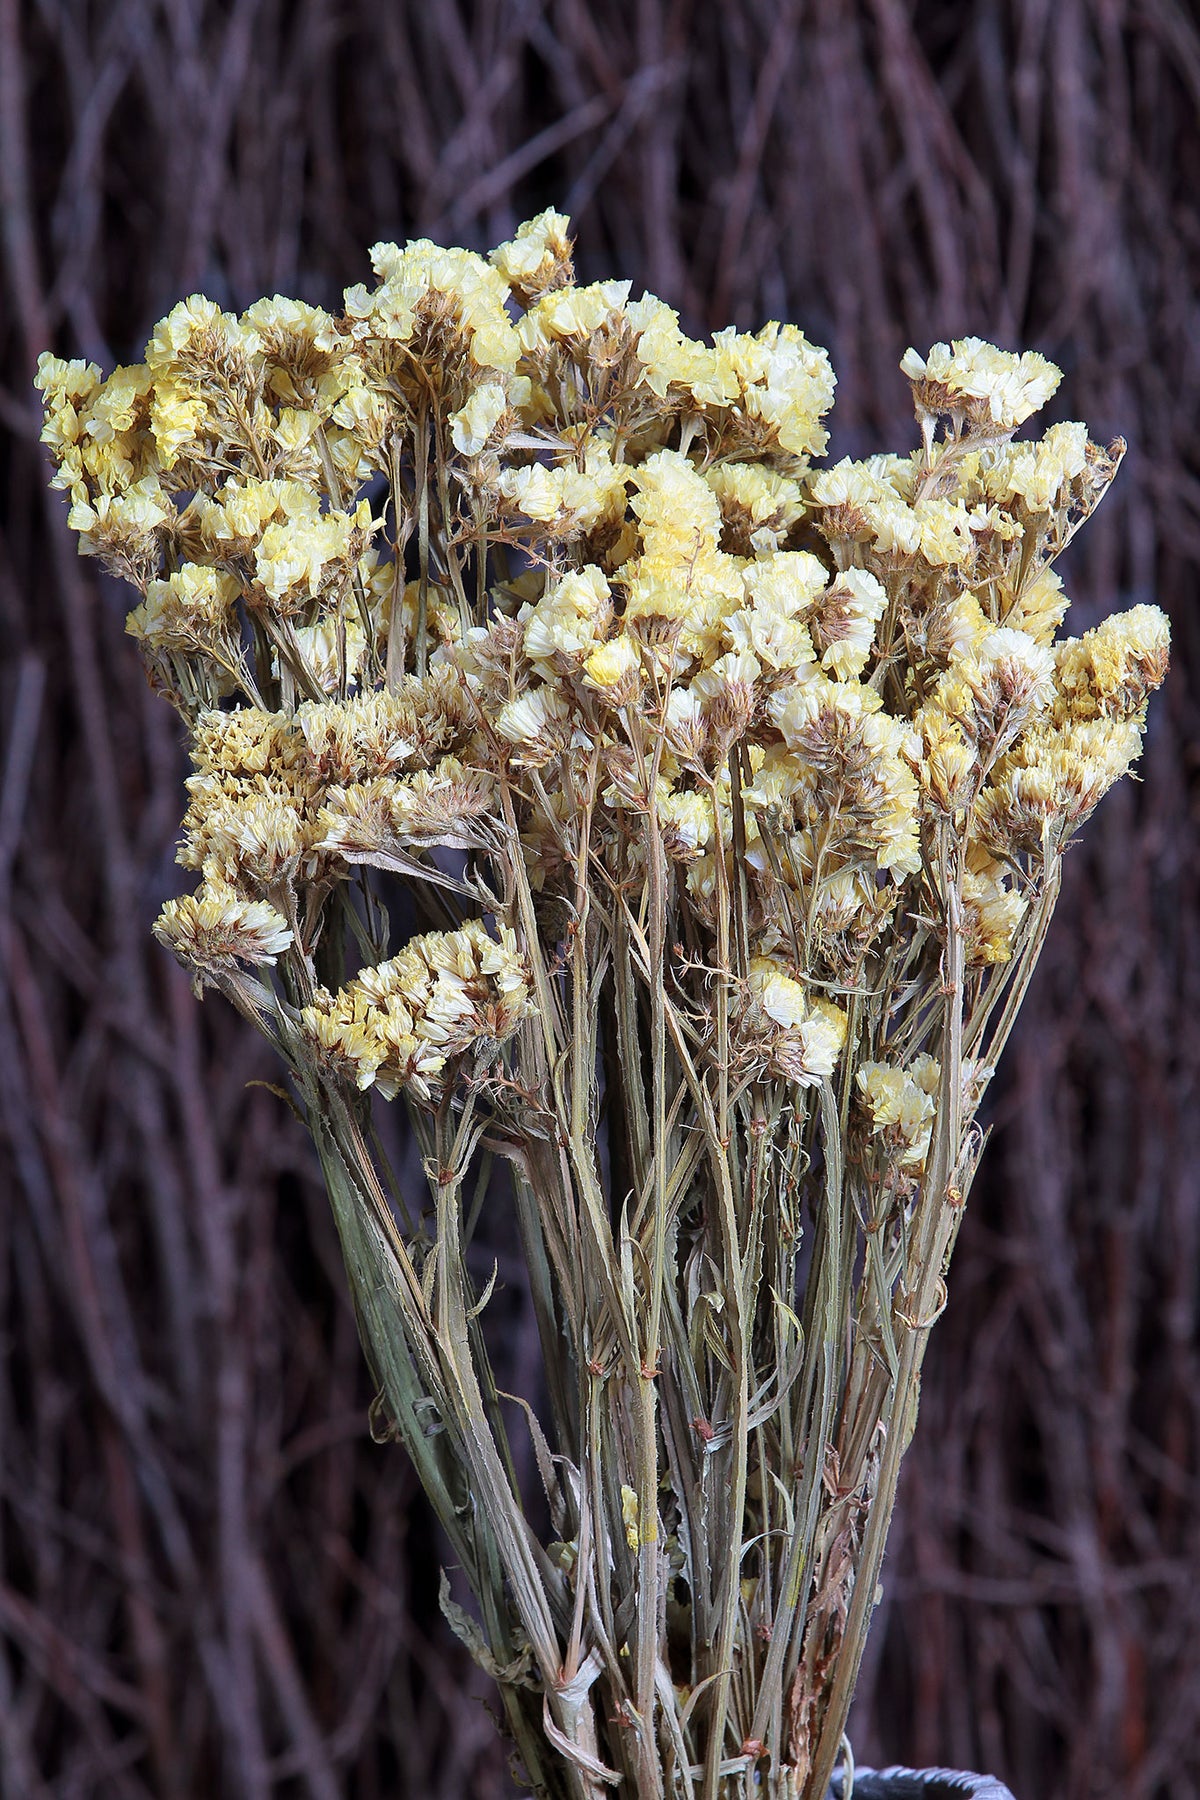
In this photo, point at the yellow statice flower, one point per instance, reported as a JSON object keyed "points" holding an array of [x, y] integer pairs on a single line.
{"points": [[688, 824], [176, 416], [848, 486], [538, 258], [1044, 789], [68, 389], [572, 315], [454, 300], [473, 424], [992, 692], [1109, 672], [948, 765], [216, 927], [614, 669], [569, 619], [758, 507], [780, 592], [977, 382], [900, 1105], [569, 499], [809, 1032], [670, 361], [448, 805], [796, 708], [255, 840], [125, 528], [486, 553], [301, 348], [331, 652], [841, 621], [1038, 606], [384, 733], [945, 532], [784, 386], [399, 1023], [190, 611], [361, 431], [296, 560], [1038, 475], [993, 910], [115, 443], [195, 331], [681, 576], [538, 724]]}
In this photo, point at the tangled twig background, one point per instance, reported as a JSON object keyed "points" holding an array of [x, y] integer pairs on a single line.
{"points": [[211, 1581]]}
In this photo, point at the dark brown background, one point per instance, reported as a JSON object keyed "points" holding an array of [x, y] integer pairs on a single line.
{"points": [[211, 1582]]}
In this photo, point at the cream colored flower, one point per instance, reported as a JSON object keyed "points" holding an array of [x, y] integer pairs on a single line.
{"points": [[615, 669], [198, 330], [573, 500], [454, 297], [294, 561], [986, 385], [901, 1107], [993, 912], [399, 1023], [842, 620], [572, 314], [688, 825], [1052, 781], [811, 1032], [473, 424], [191, 610], [216, 927], [538, 258], [758, 507], [671, 361], [568, 618], [1109, 672], [786, 385]]}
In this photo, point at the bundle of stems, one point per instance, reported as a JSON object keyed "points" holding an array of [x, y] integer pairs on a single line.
{"points": [[728, 798]]}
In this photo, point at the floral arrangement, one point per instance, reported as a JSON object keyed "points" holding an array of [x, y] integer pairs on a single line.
{"points": [[728, 795]]}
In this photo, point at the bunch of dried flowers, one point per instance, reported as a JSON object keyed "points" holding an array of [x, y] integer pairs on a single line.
{"points": [[730, 796]]}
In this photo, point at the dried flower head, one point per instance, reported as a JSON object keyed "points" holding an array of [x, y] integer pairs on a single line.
{"points": [[728, 859]]}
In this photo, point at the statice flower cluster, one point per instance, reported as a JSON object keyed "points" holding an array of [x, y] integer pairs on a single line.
{"points": [[699, 624], [727, 791]]}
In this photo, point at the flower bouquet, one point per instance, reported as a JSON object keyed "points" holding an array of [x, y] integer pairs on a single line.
{"points": [[674, 824]]}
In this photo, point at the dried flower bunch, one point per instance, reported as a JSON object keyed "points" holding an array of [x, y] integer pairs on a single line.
{"points": [[730, 798]]}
